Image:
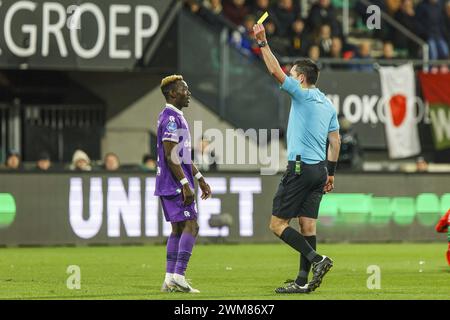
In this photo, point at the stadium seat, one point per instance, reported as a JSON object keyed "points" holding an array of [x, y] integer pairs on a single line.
{"points": [[428, 209], [381, 213], [445, 203], [7, 209], [354, 208], [328, 210], [403, 210]]}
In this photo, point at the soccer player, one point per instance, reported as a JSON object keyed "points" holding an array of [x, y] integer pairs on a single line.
{"points": [[312, 120], [442, 227], [175, 182]]}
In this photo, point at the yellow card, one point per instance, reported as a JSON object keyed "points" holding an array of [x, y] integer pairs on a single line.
{"points": [[263, 17]]}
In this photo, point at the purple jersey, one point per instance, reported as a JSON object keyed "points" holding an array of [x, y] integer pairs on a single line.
{"points": [[172, 127]]}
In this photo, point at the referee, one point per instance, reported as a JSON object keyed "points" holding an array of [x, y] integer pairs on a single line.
{"points": [[312, 120]]}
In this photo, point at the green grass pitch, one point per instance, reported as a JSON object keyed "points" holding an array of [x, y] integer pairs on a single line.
{"points": [[408, 271]]}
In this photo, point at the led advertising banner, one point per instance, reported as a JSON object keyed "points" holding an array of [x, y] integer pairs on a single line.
{"points": [[97, 208]]}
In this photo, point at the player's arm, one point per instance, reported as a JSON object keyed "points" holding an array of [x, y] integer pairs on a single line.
{"points": [[334, 147], [271, 62], [206, 189], [174, 163]]}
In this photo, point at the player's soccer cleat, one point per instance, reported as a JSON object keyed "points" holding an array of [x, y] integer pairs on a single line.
{"points": [[181, 284], [289, 281], [167, 287], [292, 287], [319, 270]]}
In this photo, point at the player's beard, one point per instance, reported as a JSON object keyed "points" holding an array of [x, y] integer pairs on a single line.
{"points": [[186, 102]]}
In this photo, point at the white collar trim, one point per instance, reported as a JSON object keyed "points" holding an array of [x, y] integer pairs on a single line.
{"points": [[172, 107]]}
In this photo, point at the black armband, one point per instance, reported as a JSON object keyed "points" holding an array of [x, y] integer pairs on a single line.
{"points": [[331, 166]]}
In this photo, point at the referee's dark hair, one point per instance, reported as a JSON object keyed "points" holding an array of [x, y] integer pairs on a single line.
{"points": [[309, 69]]}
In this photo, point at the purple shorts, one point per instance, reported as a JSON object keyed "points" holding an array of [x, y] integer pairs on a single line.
{"points": [[175, 211]]}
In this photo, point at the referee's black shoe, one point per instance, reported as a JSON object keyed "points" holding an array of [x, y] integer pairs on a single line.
{"points": [[319, 270], [292, 287]]}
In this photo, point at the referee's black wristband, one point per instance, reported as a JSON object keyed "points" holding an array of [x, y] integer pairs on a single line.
{"points": [[331, 166]]}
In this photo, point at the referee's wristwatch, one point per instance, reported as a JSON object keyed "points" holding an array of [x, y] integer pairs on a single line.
{"points": [[262, 43]]}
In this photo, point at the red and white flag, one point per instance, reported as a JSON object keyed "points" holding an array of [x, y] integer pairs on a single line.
{"points": [[398, 92]]}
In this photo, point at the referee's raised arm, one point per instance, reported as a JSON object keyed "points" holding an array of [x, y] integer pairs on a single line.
{"points": [[269, 59]]}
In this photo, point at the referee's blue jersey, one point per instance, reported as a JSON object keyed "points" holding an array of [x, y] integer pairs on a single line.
{"points": [[311, 118]]}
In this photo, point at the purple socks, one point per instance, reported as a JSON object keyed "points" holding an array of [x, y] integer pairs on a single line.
{"points": [[186, 244], [172, 252], [179, 250]]}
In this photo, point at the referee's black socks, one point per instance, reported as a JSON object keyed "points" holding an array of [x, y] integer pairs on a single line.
{"points": [[299, 243], [305, 265]]}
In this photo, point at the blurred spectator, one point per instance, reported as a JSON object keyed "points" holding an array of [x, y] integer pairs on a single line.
{"points": [[210, 11], [204, 156], [111, 162], [215, 6], [148, 163], [235, 10], [430, 23], [43, 163], [271, 29], [314, 53], [250, 42], [364, 53], [421, 165], [323, 12], [388, 51], [336, 52], [392, 6], [193, 5], [299, 40], [407, 17], [324, 40], [279, 44], [260, 7], [13, 161], [243, 39], [80, 161], [447, 23], [284, 15], [336, 48]]}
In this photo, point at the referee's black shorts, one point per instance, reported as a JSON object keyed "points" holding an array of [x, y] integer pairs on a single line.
{"points": [[300, 195]]}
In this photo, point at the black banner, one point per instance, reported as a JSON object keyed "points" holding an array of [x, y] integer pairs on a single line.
{"points": [[69, 34]]}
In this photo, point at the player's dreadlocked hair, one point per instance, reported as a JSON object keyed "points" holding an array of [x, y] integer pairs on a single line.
{"points": [[168, 84]]}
